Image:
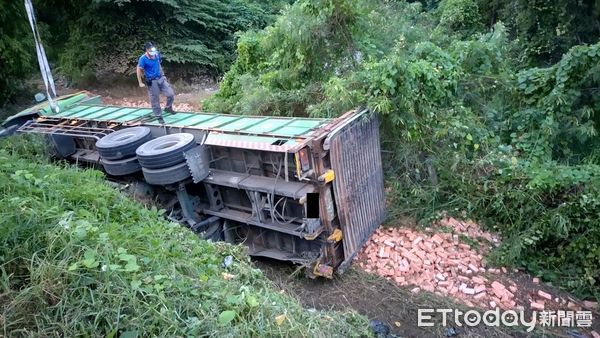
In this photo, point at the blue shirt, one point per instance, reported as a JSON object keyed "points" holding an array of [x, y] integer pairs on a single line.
{"points": [[150, 66]]}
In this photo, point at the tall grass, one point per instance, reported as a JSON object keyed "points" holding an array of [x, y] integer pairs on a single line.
{"points": [[80, 259]]}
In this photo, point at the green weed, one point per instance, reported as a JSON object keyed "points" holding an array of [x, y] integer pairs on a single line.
{"points": [[81, 259]]}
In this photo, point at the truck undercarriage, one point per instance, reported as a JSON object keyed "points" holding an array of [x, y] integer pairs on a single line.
{"points": [[309, 191]]}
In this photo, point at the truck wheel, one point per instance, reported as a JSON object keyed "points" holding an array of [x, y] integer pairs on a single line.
{"points": [[123, 143], [122, 167], [165, 151], [169, 175]]}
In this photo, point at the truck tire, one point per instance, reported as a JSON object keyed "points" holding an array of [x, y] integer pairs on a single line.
{"points": [[123, 143], [165, 151], [169, 175], [121, 167]]}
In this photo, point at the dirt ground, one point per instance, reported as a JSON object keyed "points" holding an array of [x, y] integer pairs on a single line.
{"points": [[375, 297], [187, 97], [382, 300]]}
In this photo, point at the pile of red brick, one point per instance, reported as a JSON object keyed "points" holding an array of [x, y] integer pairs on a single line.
{"points": [[436, 262], [440, 262]]}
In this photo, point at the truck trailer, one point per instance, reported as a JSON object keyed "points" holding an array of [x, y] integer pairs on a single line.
{"points": [[305, 190]]}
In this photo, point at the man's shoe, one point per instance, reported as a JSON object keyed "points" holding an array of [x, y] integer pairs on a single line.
{"points": [[161, 120], [169, 110]]}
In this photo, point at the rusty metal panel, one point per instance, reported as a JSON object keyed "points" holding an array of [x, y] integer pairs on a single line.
{"points": [[358, 186]]}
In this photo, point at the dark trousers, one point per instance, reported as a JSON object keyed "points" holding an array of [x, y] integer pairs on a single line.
{"points": [[155, 87]]}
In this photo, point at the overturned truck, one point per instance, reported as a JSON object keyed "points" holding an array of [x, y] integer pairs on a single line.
{"points": [[304, 190]]}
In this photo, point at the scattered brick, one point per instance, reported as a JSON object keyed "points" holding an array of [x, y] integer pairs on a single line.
{"points": [[479, 280], [590, 305], [442, 264], [544, 295], [480, 295], [469, 291], [536, 306], [536, 280]]}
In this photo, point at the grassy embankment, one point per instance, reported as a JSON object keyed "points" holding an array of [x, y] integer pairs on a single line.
{"points": [[81, 259]]}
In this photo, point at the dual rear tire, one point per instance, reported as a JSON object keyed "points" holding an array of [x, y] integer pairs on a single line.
{"points": [[117, 150], [161, 160]]}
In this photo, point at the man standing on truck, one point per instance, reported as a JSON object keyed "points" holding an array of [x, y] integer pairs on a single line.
{"points": [[155, 80]]}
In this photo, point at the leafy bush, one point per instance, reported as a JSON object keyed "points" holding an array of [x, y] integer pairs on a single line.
{"points": [[79, 258], [544, 29], [16, 49], [98, 38], [460, 16], [467, 127]]}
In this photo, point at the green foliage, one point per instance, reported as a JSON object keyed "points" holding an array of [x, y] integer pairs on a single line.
{"points": [[16, 49], [562, 105], [79, 257], [466, 126], [94, 38], [460, 16], [283, 63], [545, 29]]}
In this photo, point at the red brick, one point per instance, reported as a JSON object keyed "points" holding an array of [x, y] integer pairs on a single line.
{"points": [[480, 295], [595, 334], [544, 295], [428, 287], [536, 306], [403, 268], [479, 288], [478, 280], [498, 289], [437, 239], [468, 291], [536, 280], [590, 305]]}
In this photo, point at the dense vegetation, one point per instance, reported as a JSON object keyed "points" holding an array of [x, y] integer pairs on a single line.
{"points": [[489, 108], [90, 40], [81, 259]]}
